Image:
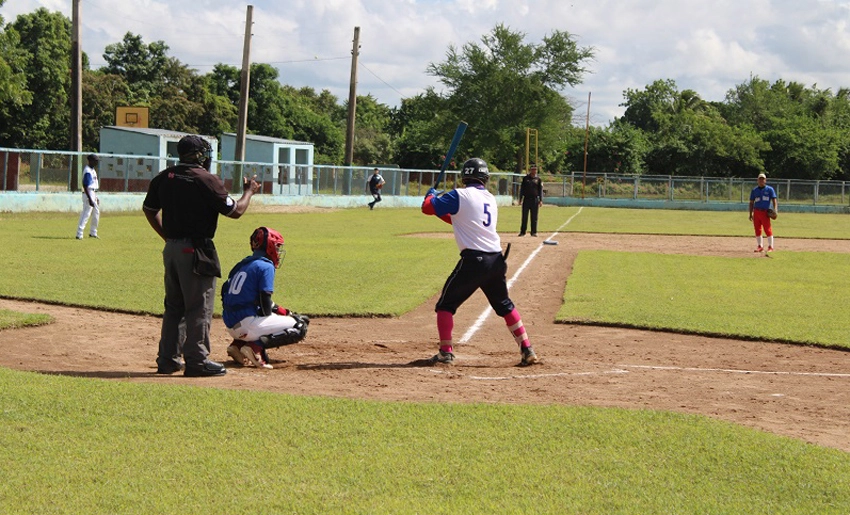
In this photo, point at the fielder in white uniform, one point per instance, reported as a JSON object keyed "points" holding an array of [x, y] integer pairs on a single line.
{"points": [[91, 204], [473, 213]]}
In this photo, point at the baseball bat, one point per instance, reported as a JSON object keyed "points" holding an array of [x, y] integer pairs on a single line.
{"points": [[461, 128]]}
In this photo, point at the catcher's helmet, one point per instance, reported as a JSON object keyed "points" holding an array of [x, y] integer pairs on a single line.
{"points": [[195, 150], [475, 170], [270, 242]]}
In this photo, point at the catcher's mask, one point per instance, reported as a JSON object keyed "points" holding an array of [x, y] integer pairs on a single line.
{"points": [[270, 242], [195, 150]]}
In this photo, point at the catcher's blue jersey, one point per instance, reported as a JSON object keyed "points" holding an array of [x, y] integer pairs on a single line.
{"points": [[240, 294]]}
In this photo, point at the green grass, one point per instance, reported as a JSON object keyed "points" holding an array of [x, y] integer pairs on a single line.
{"points": [[337, 263], [794, 297], [74, 445], [71, 445], [698, 223], [14, 320]]}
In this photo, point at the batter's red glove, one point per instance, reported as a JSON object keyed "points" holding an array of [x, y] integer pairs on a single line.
{"points": [[280, 311]]}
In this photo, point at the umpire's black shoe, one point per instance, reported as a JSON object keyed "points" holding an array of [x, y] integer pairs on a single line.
{"points": [[206, 369], [169, 368]]}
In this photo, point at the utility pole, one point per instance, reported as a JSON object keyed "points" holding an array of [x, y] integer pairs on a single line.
{"points": [[244, 90], [352, 110], [76, 95], [352, 100], [586, 137]]}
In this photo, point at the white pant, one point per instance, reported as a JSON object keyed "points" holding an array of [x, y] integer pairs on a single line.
{"points": [[86, 213], [251, 328]]}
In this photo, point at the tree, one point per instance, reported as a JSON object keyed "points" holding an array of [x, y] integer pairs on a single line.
{"points": [[504, 86], [142, 66], [372, 141], [178, 100], [102, 94], [415, 126], [644, 106], [688, 136], [13, 80], [804, 127], [45, 50]]}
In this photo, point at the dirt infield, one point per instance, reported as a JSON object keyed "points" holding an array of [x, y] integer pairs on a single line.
{"points": [[797, 391]]}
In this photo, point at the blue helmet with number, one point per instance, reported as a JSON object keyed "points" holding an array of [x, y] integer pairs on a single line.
{"points": [[475, 170]]}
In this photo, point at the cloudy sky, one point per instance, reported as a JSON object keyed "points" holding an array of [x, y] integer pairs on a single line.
{"points": [[708, 46]]}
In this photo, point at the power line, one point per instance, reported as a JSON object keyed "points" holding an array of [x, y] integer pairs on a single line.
{"points": [[382, 80]]}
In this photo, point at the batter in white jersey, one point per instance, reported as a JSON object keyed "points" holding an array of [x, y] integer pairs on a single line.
{"points": [[473, 213]]}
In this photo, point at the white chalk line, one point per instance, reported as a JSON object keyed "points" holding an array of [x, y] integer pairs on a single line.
{"points": [[483, 316], [736, 371], [642, 367], [534, 376]]}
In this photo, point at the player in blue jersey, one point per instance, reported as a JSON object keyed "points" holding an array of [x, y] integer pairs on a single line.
{"points": [[252, 319], [473, 214], [762, 198]]}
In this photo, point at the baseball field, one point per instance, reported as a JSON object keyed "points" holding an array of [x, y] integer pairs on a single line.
{"points": [[682, 373]]}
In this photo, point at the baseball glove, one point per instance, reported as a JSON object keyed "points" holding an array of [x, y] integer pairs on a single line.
{"points": [[771, 213]]}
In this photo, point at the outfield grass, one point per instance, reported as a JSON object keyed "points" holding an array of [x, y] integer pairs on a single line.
{"points": [[71, 445], [74, 445], [793, 297], [358, 263], [696, 223], [337, 263]]}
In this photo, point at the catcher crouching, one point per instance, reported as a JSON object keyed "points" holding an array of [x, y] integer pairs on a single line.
{"points": [[252, 319]]}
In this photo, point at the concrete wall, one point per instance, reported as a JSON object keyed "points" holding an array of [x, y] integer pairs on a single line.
{"points": [[23, 202], [16, 202]]}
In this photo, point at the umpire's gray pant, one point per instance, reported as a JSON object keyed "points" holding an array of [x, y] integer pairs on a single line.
{"points": [[189, 296]]}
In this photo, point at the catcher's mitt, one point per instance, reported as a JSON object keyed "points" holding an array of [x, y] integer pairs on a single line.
{"points": [[771, 213]]}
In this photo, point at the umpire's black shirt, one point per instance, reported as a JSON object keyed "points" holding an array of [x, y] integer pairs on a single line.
{"points": [[191, 198]]}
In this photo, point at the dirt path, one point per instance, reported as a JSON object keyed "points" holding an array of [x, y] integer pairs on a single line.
{"points": [[796, 391]]}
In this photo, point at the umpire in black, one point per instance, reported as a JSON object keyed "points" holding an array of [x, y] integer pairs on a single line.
{"points": [[182, 205], [531, 197]]}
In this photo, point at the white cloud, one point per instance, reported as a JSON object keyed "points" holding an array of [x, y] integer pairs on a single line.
{"points": [[709, 47]]}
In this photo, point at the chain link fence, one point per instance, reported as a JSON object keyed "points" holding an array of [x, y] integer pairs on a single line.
{"points": [[53, 171], [693, 189]]}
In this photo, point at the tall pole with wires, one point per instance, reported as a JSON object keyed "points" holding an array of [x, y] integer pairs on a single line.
{"points": [[352, 110], [76, 95], [586, 137], [244, 91]]}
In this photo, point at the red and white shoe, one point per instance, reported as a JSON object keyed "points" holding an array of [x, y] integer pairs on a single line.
{"points": [[760, 249], [770, 249]]}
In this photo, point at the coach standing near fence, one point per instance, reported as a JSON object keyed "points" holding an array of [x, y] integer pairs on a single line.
{"points": [[531, 198], [182, 205]]}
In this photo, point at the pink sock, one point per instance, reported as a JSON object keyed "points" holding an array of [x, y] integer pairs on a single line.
{"points": [[514, 323], [445, 325]]}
